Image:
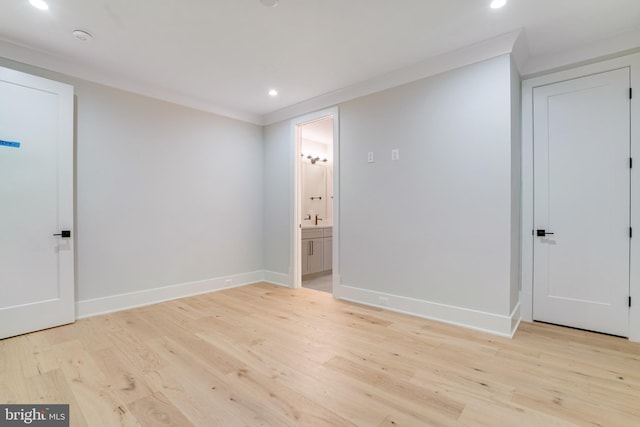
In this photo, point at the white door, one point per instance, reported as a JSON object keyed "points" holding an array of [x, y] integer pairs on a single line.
{"points": [[582, 196], [36, 202]]}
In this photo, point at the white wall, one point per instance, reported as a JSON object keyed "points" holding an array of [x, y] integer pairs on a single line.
{"points": [[166, 195], [516, 186], [432, 233], [278, 200], [436, 225]]}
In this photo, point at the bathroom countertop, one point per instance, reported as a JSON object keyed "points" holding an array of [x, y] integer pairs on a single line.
{"points": [[320, 225]]}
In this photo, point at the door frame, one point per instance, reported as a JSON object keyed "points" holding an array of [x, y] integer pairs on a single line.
{"points": [[527, 242], [296, 232]]}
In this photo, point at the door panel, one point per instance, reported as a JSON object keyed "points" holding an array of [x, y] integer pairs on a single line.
{"points": [[315, 260], [582, 195], [36, 189]]}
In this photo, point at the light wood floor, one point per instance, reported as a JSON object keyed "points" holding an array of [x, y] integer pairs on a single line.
{"points": [[262, 355]]}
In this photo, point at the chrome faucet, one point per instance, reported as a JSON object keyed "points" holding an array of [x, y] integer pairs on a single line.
{"points": [[318, 219]]}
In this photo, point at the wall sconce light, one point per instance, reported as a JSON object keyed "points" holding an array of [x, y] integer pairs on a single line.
{"points": [[313, 160]]}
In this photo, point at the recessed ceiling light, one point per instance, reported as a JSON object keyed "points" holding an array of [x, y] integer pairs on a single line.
{"points": [[39, 4], [82, 35], [269, 3], [497, 4], [273, 92]]}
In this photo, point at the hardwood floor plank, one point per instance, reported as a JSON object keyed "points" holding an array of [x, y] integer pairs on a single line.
{"points": [[232, 393], [89, 331], [264, 355], [123, 379], [12, 378], [300, 370], [193, 396], [52, 387], [91, 389], [156, 410], [437, 403], [501, 415]]}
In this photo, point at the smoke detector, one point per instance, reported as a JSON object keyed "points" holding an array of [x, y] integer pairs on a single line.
{"points": [[82, 35]]}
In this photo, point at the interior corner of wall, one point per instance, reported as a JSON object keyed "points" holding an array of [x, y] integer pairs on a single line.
{"points": [[520, 51], [275, 278], [516, 319]]}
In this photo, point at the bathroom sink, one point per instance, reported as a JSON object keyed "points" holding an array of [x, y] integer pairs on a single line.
{"points": [[311, 224]]}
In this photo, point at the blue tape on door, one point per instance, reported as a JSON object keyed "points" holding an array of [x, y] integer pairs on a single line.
{"points": [[9, 144]]}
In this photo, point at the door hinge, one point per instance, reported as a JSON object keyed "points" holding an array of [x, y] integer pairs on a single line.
{"points": [[629, 301], [630, 93], [630, 231], [630, 162]]}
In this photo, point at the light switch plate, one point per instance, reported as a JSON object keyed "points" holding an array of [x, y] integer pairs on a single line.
{"points": [[395, 154], [371, 157]]}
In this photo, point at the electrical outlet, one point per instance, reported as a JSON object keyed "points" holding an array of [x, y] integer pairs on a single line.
{"points": [[228, 282], [395, 154], [383, 300], [371, 157]]}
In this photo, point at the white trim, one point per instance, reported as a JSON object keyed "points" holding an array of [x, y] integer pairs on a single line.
{"points": [[500, 45], [335, 261], [621, 44], [528, 85], [477, 52], [49, 61], [505, 326], [520, 52], [634, 272], [110, 304], [296, 252], [474, 53], [296, 235], [279, 279], [468, 55]]}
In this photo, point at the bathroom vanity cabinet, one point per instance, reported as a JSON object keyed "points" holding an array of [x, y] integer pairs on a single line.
{"points": [[316, 249]]}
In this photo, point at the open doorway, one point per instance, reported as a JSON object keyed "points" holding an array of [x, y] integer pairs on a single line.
{"points": [[315, 201], [316, 188]]}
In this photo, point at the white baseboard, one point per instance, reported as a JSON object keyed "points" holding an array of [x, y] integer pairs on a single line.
{"points": [[505, 326], [279, 279], [110, 304], [486, 322], [526, 304]]}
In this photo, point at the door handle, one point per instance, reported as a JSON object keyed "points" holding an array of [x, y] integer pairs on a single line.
{"points": [[542, 233], [65, 234]]}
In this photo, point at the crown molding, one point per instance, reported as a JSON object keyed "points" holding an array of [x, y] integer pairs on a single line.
{"points": [[46, 60], [619, 45], [491, 48]]}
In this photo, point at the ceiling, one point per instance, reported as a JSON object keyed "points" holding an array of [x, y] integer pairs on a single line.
{"points": [[320, 131], [224, 55]]}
